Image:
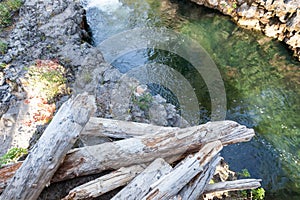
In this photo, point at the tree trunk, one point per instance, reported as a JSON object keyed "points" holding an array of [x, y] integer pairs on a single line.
{"points": [[105, 183], [195, 188], [242, 184], [114, 155], [169, 185], [132, 151], [100, 130], [140, 186], [121, 129], [46, 156]]}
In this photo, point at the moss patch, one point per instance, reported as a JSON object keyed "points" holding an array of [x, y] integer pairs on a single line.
{"points": [[3, 47], [12, 155], [45, 79], [7, 10]]}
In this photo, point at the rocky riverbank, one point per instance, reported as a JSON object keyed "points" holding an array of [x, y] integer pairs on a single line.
{"points": [[279, 19], [56, 30]]}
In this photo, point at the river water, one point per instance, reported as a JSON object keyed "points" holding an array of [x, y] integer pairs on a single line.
{"points": [[260, 76]]}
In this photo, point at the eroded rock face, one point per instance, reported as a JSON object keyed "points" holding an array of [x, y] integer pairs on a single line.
{"points": [[278, 19]]}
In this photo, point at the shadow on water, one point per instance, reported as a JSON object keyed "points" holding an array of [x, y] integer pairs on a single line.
{"points": [[261, 79]]}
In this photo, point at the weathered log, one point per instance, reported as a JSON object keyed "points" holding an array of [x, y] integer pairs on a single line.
{"points": [[114, 155], [118, 129], [100, 130], [132, 151], [101, 127], [140, 185], [105, 183], [195, 188], [169, 185], [49, 152], [242, 184]]}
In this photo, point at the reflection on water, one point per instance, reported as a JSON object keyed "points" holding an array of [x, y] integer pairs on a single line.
{"points": [[261, 79]]}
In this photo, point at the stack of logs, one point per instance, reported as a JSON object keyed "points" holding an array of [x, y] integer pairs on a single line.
{"points": [[139, 158]]}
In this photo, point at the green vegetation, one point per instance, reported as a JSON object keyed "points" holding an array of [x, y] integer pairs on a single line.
{"points": [[46, 79], [143, 101], [3, 47], [2, 65], [258, 193], [211, 181], [12, 155], [234, 5], [245, 173], [7, 8]]}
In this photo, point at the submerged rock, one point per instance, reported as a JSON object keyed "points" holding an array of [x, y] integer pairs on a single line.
{"points": [[278, 19]]}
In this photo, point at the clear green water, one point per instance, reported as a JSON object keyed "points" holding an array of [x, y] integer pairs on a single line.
{"points": [[262, 82]]}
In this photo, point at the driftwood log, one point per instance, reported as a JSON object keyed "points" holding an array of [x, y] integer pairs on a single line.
{"points": [[118, 129], [159, 174], [132, 151], [49, 152], [169, 186], [104, 183], [145, 149], [166, 182], [195, 188], [135, 190], [160, 170], [101, 130], [140, 186], [241, 184]]}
